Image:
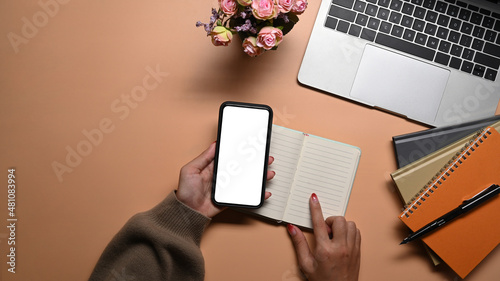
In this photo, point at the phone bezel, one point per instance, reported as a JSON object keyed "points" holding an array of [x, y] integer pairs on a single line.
{"points": [[266, 158]]}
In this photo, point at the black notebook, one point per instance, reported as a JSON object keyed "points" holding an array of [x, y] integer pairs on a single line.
{"points": [[413, 146]]}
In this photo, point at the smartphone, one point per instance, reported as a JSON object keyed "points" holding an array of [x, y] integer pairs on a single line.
{"points": [[241, 156]]}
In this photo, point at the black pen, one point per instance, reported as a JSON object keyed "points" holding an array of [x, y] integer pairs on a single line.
{"points": [[465, 207]]}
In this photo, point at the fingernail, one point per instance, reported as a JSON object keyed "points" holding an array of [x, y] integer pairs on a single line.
{"points": [[314, 198], [272, 158], [291, 230]]}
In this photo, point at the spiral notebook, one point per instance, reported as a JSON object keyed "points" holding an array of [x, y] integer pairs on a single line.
{"points": [[411, 178], [466, 241]]}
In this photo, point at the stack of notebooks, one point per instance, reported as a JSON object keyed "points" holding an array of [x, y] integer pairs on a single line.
{"points": [[439, 169]]}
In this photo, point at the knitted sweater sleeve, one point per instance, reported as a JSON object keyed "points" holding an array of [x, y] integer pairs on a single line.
{"points": [[160, 244]]}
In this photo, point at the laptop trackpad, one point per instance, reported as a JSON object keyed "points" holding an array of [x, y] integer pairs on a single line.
{"points": [[400, 84]]}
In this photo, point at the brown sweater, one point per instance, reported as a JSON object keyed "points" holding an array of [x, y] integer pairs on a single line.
{"points": [[160, 244]]}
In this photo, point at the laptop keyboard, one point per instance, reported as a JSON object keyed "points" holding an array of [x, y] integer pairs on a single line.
{"points": [[450, 32]]}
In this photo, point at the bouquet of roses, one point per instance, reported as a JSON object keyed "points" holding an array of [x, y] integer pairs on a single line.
{"points": [[261, 24]]}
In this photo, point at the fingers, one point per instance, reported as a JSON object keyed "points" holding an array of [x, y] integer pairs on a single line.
{"points": [[319, 226], [270, 161], [339, 229], [344, 231], [270, 174], [329, 224], [267, 195], [304, 256], [353, 237], [204, 159]]}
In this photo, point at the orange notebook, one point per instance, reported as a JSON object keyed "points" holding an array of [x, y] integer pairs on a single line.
{"points": [[466, 241]]}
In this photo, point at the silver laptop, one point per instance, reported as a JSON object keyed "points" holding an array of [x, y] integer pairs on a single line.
{"points": [[433, 61]]}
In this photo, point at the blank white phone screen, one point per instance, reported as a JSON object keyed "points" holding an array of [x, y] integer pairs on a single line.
{"points": [[242, 149]]}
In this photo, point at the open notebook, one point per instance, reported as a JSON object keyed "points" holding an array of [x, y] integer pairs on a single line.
{"points": [[305, 164]]}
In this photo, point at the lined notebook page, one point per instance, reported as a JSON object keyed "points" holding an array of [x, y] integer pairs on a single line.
{"points": [[306, 164], [326, 168], [285, 148]]}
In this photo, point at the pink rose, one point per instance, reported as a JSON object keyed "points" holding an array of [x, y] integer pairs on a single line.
{"points": [[245, 2], [299, 7], [264, 9], [229, 7], [221, 36], [250, 47], [285, 5], [269, 37]]}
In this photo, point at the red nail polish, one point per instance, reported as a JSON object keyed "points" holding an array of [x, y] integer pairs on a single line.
{"points": [[314, 197], [291, 229]]}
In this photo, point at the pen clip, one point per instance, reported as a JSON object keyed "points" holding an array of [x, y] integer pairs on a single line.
{"points": [[492, 188]]}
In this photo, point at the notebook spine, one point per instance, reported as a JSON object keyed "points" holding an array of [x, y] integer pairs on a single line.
{"points": [[452, 165]]}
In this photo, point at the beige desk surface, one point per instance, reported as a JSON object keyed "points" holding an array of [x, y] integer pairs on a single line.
{"points": [[74, 72]]}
